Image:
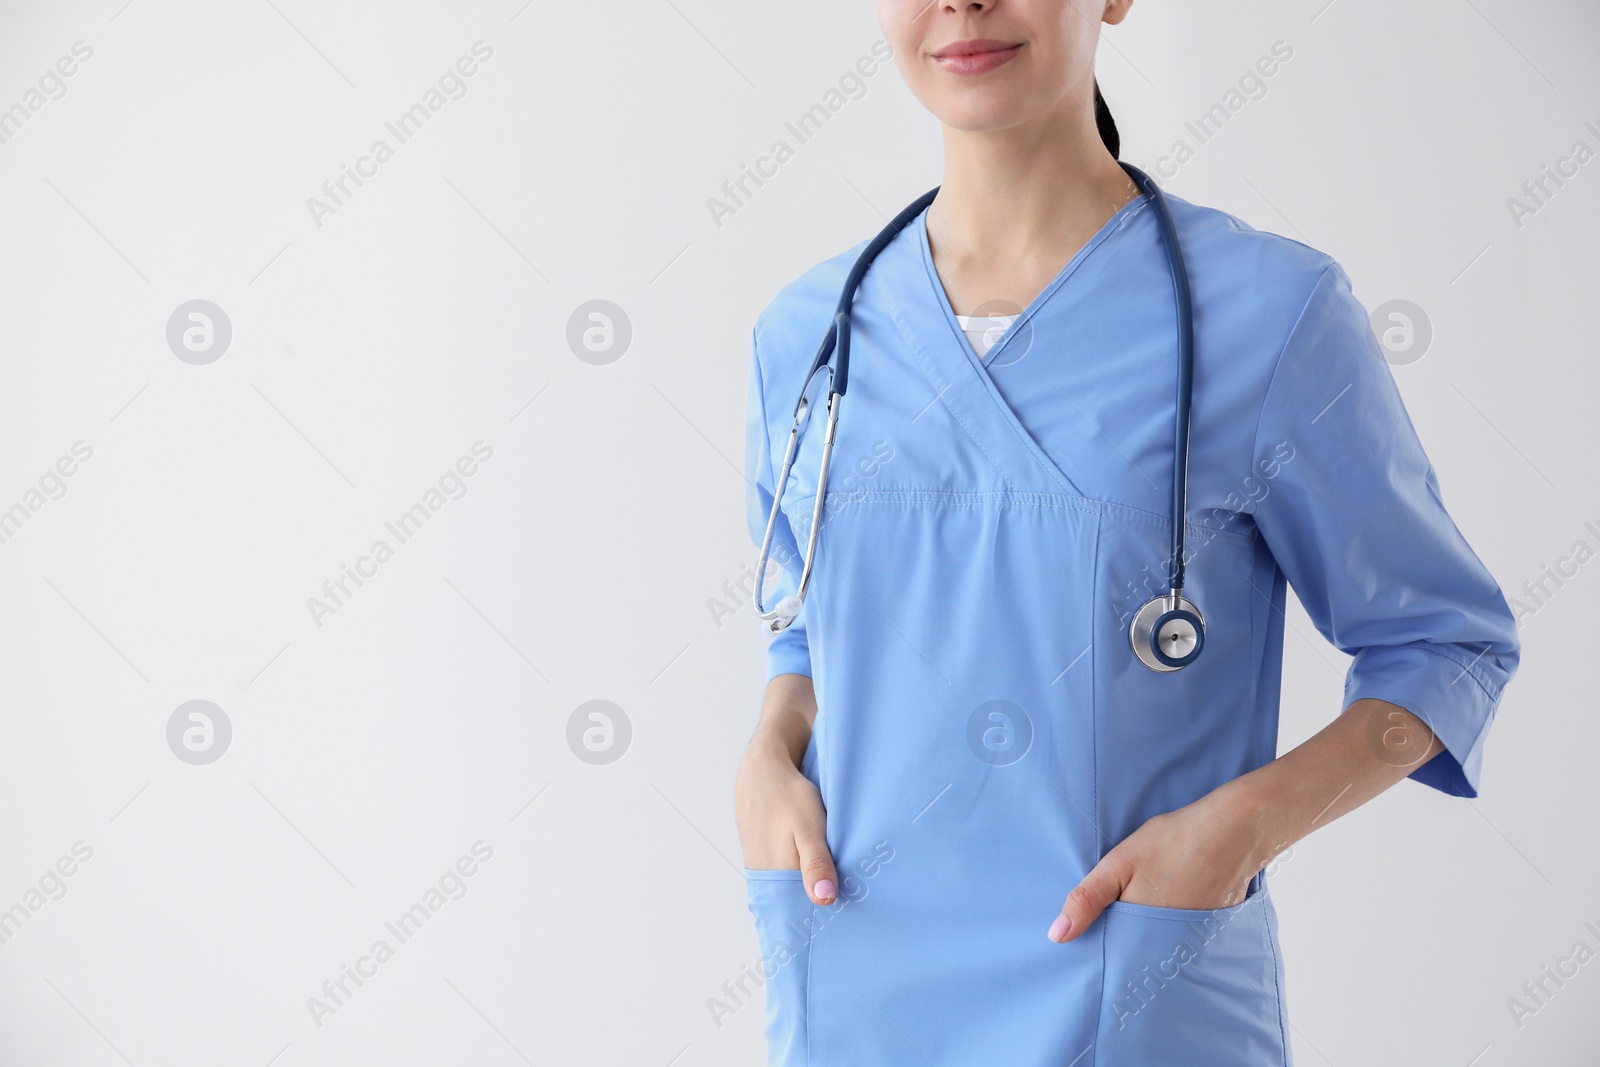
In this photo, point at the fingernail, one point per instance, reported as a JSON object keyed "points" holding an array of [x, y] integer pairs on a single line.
{"points": [[1059, 928], [824, 889]]}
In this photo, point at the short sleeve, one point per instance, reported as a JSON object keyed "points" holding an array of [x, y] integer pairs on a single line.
{"points": [[788, 652], [1354, 516]]}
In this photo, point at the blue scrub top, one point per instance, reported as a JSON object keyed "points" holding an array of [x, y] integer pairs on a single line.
{"points": [[985, 733]]}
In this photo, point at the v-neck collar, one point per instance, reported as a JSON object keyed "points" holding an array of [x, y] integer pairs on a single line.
{"points": [[1112, 225], [972, 394]]}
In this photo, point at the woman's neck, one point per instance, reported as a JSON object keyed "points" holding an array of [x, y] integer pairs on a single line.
{"points": [[1016, 204]]}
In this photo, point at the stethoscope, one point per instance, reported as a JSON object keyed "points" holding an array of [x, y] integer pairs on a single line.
{"points": [[1167, 632]]}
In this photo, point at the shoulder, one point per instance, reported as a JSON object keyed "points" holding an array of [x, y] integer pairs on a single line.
{"points": [[1275, 271], [1279, 331], [1258, 292], [792, 324]]}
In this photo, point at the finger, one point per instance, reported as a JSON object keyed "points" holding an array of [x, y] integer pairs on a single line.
{"points": [[1087, 900], [816, 864]]}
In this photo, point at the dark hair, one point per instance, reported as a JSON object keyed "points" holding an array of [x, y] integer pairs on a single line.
{"points": [[1107, 124]]}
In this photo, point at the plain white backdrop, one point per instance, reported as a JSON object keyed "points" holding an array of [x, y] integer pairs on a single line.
{"points": [[374, 743]]}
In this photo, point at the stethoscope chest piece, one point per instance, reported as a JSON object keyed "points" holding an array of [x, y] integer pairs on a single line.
{"points": [[1167, 632]]}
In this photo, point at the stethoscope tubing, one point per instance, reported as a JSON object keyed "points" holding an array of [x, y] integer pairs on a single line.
{"points": [[1180, 444]]}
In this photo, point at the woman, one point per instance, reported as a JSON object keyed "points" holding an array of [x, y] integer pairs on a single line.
{"points": [[977, 827]]}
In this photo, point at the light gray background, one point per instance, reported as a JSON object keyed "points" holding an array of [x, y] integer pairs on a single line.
{"points": [[431, 311]]}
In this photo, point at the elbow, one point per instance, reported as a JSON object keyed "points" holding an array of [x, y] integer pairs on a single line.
{"points": [[1502, 649]]}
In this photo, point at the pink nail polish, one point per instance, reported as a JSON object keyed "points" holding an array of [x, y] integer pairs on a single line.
{"points": [[824, 889], [1059, 928]]}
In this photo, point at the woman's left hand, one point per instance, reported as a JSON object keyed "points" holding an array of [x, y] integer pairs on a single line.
{"points": [[1201, 856]]}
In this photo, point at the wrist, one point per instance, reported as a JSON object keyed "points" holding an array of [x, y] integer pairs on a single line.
{"points": [[768, 746], [1251, 809]]}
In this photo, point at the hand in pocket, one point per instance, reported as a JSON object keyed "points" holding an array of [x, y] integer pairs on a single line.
{"points": [[782, 825], [1201, 856]]}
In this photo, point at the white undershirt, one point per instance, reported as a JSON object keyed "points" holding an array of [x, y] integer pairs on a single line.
{"points": [[984, 330]]}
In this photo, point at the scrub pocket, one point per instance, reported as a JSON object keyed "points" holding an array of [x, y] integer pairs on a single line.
{"points": [[1197, 988], [786, 921]]}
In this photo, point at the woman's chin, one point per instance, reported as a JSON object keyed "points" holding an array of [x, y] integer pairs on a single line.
{"points": [[976, 115]]}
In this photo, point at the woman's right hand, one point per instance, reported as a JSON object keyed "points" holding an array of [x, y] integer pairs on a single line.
{"points": [[782, 824]]}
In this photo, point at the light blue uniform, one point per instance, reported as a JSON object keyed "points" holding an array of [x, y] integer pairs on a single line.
{"points": [[985, 733]]}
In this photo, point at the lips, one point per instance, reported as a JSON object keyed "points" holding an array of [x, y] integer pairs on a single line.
{"points": [[974, 47], [978, 56]]}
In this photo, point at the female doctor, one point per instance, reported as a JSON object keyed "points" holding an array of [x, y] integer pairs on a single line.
{"points": [[984, 819]]}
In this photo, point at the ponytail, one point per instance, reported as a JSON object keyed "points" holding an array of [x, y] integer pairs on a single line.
{"points": [[1106, 124]]}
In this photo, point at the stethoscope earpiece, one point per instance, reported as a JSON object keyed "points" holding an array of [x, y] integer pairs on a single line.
{"points": [[784, 613]]}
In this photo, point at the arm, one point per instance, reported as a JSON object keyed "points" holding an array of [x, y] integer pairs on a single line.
{"points": [[788, 710], [1357, 525], [782, 825], [1370, 747]]}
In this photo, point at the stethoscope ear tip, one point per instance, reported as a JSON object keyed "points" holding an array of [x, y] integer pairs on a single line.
{"points": [[784, 613]]}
